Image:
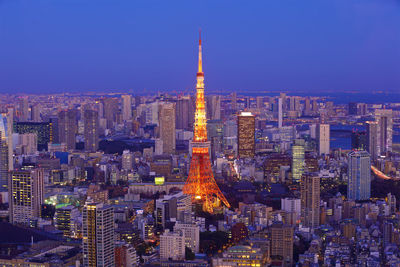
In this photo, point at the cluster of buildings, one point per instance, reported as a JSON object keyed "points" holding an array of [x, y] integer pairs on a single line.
{"points": [[102, 180]]}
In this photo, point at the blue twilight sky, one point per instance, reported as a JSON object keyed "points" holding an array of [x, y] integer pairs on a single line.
{"points": [[148, 45]]}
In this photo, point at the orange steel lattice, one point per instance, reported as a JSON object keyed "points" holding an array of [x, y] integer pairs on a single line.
{"points": [[201, 184]]}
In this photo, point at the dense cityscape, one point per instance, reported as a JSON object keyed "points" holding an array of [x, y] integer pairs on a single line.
{"points": [[96, 179]]}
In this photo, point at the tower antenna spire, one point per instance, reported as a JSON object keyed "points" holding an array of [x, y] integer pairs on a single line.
{"points": [[200, 67]]}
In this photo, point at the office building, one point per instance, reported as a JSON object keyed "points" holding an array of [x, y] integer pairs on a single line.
{"points": [[298, 159], [35, 113], [27, 143], [23, 109], [246, 135], [359, 173], [64, 220], [359, 140], [323, 139], [68, 127], [91, 130], [215, 133], [182, 113], [26, 195], [280, 112], [127, 160], [191, 233], [172, 246], [6, 151], [282, 242], [234, 102], [310, 199], [384, 119], [110, 109], [241, 255], [43, 130], [372, 139], [167, 127], [126, 107], [98, 235], [213, 107]]}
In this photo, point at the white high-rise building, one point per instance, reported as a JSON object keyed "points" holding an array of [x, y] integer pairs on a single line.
{"points": [[127, 160], [280, 112], [323, 138], [172, 246], [6, 148], [359, 173], [98, 235], [191, 233], [126, 107]]}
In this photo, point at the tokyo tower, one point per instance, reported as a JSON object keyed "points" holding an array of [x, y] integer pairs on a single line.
{"points": [[200, 183]]}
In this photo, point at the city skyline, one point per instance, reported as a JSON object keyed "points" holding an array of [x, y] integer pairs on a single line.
{"points": [[263, 46]]}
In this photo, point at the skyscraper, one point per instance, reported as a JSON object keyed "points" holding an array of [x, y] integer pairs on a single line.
{"points": [[280, 112], [23, 109], [323, 139], [298, 159], [167, 127], [6, 151], [282, 242], [26, 194], [384, 118], [359, 173], [372, 139], [35, 113], [126, 107], [182, 113], [246, 135], [110, 107], [234, 102], [91, 130], [200, 184], [68, 127], [214, 107], [310, 199], [98, 235], [43, 130]]}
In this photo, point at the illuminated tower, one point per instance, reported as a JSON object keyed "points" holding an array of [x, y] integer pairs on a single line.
{"points": [[200, 183]]}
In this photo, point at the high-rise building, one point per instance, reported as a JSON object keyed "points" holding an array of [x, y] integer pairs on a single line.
{"points": [[23, 109], [310, 199], [127, 160], [28, 143], [215, 132], [125, 255], [384, 118], [372, 139], [260, 102], [91, 130], [191, 233], [200, 184], [359, 140], [167, 127], [64, 220], [126, 107], [110, 107], [323, 139], [6, 151], [172, 246], [307, 106], [35, 113], [214, 107], [298, 160], [282, 242], [182, 113], [359, 173], [246, 135], [98, 235], [234, 102], [26, 195], [68, 127], [43, 130], [280, 112]]}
